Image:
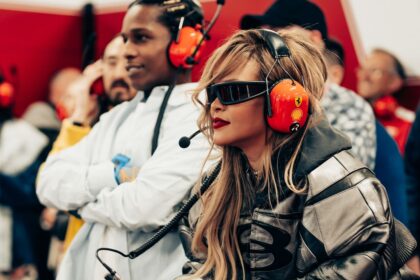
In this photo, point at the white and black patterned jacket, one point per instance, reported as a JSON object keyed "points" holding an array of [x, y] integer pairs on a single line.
{"points": [[351, 114]]}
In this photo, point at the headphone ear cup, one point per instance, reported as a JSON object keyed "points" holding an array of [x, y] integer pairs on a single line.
{"points": [[61, 112], [289, 103], [6, 94], [180, 51], [385, 106]]}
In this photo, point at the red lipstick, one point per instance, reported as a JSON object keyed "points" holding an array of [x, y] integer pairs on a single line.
{"points": [[218, 123]]}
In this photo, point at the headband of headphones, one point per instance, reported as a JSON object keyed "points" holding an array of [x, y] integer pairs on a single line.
{"points": [[187, 32], [175, 10], [191, 10], [274, 43]]}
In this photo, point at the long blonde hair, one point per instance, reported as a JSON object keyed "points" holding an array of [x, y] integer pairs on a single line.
{"points": [[215, 235]]}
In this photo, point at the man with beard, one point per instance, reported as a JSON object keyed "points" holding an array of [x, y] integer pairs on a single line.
{"points": [[123, 212], [87, 106], [85, 109]]}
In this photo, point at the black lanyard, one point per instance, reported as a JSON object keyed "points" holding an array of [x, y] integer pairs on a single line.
{"points": [[159, 120]]}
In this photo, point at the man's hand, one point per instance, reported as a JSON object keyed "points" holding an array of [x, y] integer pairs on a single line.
{"points": [[85, 105], [48, 217], [124, 170], [128, 173]]}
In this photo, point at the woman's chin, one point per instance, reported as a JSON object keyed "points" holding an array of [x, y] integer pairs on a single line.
{"points": [[221, 142]]}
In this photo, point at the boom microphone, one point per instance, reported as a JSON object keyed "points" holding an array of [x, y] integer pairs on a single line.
{"points": [[184, 142], [191, 58]]}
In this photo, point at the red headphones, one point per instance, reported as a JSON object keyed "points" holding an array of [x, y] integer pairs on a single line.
{"points": [[288, 101], [180, 51], [6, 94], [289, 107], [61, 112], [385, 106], [184, 50]]}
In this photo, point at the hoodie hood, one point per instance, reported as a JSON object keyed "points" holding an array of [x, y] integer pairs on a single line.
{"points": [[321, 142]]}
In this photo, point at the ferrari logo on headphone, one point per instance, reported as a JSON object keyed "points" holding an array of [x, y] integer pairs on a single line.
{"points": [[298, 101]]}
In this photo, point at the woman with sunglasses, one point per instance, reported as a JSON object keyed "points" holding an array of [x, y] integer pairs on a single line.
{"points": [[289, 200]]}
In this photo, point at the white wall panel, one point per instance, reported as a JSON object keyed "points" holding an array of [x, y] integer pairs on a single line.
{"points": [[390, 24]]}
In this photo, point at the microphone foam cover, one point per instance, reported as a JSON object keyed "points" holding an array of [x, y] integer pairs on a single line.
{"points": [[184, 142]]}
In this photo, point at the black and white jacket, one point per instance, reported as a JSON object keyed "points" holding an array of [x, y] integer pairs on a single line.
{"points": [[341, 228]]}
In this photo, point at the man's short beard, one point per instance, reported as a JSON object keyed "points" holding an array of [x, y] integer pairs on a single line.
{"points": [[116, 99]]}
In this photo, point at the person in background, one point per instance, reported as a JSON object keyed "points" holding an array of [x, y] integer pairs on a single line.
{"points": [[412, 167], [379, 77], [139, 138], [289, 201], [334, 58], [47, 116], [12, 162], [389, 166], [345, 110], [23, 148], [85, 109]]}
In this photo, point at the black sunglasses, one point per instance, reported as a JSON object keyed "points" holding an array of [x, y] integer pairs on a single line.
{"points": [[230, 93]]}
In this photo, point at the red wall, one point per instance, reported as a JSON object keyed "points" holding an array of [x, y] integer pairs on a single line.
{"points": [[38, 44], [229, 22], [107, 26], [338, 29], [110, 24]]}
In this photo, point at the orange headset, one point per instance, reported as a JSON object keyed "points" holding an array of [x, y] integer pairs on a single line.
{"points": [[385, 106], [184, 50], [6, 94], [288, 101]]}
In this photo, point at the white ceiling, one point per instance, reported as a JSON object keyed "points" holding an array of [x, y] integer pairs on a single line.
{"points": [[67, 6], [63, 6]]}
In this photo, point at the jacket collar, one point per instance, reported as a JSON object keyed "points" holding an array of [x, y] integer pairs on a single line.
{"points": [[320, 143]]}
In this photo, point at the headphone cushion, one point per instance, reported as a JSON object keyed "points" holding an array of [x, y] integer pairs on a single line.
{"points": [[289, 106], [188, 39], [385, 106], [6, 94]]}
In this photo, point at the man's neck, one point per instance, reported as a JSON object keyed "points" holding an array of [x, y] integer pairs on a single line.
{"points": [[183, 78]]}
